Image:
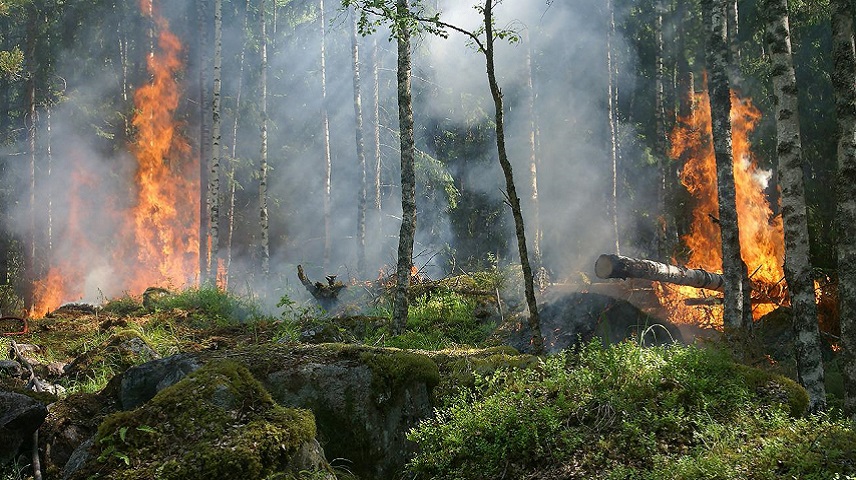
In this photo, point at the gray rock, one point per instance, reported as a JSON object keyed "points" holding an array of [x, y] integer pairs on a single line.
{"points": [[11, 368], [362, 412], [141, 383], [78, 458], [20, 416]]}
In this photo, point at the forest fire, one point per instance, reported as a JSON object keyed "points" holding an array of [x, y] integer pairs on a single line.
{"points": [[761, 234], [155, 241]]}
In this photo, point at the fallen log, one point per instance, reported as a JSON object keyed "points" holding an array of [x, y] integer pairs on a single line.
{"points": [[617, 266]]}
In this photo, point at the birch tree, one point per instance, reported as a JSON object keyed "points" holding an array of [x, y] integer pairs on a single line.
{"points": [[263, 167], [204, 138], [325, 133], [214, 174], [361, 152], [798, 272], [736, 315], [845, 107], [233, 160]]}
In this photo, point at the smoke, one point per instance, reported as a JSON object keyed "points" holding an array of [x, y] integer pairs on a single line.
{"points": [[92, 182]]}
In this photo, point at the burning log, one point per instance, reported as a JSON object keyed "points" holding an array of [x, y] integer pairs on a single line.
{"points": [[616, 266], [328, 294]]}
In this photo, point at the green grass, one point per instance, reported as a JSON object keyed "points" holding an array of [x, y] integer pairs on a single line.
{"points": [[442, 319], [626, 411]]}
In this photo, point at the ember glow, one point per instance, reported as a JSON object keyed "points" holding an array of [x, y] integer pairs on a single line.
{"points": [[761, 234], [155, 241]]}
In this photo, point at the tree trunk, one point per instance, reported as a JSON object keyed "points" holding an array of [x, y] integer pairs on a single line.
{"points": [[263, 168], [214, 179], [732, 15], [511, 191], [361, 151], [378, 206], [204, 145], [616, 266], [734, 270], [325, 132], [613, 126], [666, 222], [541, 275], [798, 271], [32, 270], [845, 222], [408, 176], [234, 157]]}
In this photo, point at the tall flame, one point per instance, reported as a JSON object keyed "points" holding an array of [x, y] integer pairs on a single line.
{"points": [[157, 243], [761, 233]]}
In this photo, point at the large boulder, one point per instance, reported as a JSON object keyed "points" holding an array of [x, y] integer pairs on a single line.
{"points": [[20, 417], [71, 421], [364, 399], [217, 423], [141, 383], [578, 317]]}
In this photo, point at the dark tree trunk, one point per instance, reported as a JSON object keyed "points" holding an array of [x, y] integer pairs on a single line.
{"points": [[408, 176], [845, 222], [511, 191]]}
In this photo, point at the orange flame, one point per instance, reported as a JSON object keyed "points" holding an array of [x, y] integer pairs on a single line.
{"points": [[761, 233], [158, 244]]}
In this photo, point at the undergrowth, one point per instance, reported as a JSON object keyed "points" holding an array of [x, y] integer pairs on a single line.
{"points": [[435, 321], [626, 411]]}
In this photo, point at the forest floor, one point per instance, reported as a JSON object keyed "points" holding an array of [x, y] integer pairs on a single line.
{"points": [[588, 410]]}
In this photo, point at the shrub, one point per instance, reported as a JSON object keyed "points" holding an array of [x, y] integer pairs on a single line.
{"points": [[625, 411]]}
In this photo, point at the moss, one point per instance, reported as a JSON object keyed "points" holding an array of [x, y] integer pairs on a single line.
{"points": [[218, 422], [772, 387], [459, 368], [393, 369]]}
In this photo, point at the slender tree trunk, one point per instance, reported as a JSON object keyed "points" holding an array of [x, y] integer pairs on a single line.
{"points": [[734, 270], [378, 206], [541, 275], [204, 145], [263, 167], [732, 15], [361, 151], [325, 127], [798, 271], [845, 107], [511, 191], [216, 150], [408, 176], [32, 270], [666, 222], [233, 161], [613, 127]]}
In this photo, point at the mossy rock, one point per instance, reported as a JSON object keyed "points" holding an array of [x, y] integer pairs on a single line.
{"points": [[217, 423], [773, 388], [120, 351], [364, 399]]}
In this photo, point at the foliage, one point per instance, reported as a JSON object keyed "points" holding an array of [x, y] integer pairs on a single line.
{"points": [[437, 320], [629, 412], [209, 302]]}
